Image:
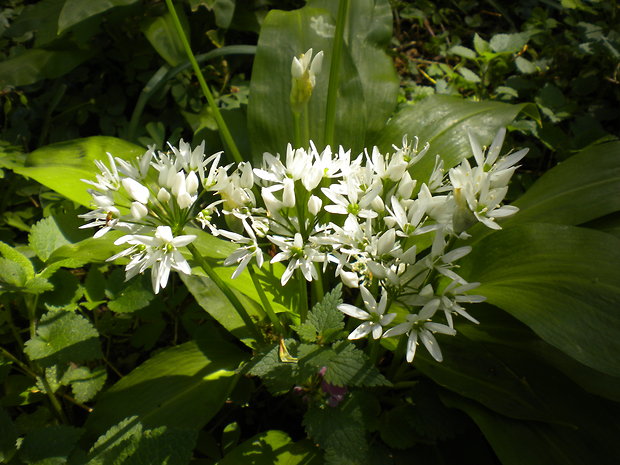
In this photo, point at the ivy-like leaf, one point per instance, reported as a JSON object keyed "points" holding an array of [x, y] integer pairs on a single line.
{"points": [[63, 337]]}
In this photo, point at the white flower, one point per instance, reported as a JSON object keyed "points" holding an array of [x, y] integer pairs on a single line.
{"points": [[159, 251], [374, 318], [303, 72], [418, 328], [300, 256], [136, 190]]}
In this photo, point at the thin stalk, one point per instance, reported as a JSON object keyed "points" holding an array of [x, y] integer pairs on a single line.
{"points": [[399, 357], [221, 124], [227, 291], [334, 68], [266, 304], [305, 128], [53, 399], [303, 297], [297, 124], [25, 368], [14, 330], [317, 285]]}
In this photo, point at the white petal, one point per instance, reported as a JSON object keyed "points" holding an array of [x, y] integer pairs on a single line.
{"points": [[431, 344], [362, 330], [412, 344], [353, 311]]}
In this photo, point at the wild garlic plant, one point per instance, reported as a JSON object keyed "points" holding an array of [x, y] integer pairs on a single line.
{"points": [[365, 219]]}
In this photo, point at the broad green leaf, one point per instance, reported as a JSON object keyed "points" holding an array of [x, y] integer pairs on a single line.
{"points": [[45, 237], [278, 376], [469, 75], [475, 372], [368, 35], [324, 321], [40, 18], [481, 45], [36, 64], [49, 446], [273, 448], [525, 66], [161, 33], [562, 281], [128, 297], [443, 122], [351, 367], [368, 83], [63, 337], [214, 302], [12, 275], [75, 11], [8, 436], [533, 443], [182, 386], [89, 250], [580, 189], [61, 166]]}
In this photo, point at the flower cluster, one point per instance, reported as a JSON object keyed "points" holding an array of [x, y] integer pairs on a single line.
{"points": [[369, 219]]}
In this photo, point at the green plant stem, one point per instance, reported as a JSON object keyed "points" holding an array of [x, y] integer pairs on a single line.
{"points": [[399, 357], [305, 128], [14, 330], [297, 125], [317, 285], [227, 291], [334, 68], [25, 368], [221, 124], [31, 305], [266, 304], [303, 297]]}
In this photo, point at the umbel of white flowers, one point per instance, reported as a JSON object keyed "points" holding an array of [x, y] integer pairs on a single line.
{"points": [[365, 218]]}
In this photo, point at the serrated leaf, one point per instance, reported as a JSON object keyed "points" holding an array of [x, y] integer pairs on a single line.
{"points": [[340, 431], [131, 297], [85, 383], [324, 320], [279, 377], [352, 367], [13, 255], [49, 446], [12, 275], [45, 237], [273, 448], [63, 337], [128, 443], [66, 293]]}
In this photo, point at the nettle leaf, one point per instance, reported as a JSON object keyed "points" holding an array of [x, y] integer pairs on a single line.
{"points": [[45, 237], [344, 364], [128, 443], [63, 337], [49, 446], [84, 382], [325, 322], [339, 430], [352, 367], [273, 448], [278, 376], [128, 297], [15, 267], [509, 43]]}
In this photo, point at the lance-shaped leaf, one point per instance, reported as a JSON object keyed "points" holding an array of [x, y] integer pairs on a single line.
{"points": [[562, 281], [183, 386], [61, 166], [443, 122]]}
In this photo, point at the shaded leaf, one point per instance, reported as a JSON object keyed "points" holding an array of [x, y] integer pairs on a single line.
{"points": [[63, 337], [562, 281], [49, 446], [76, 11], [272, 448], [45, 237], [84, 382]]}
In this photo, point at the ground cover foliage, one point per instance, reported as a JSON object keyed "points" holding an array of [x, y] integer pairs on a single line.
{"points": [[97, 369]]}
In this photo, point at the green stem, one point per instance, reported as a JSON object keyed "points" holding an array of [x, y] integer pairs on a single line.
{"points": [[227, 291], [53, 399], [18, 362], [303, 297], [334, 68], [297, 124], [305, 128], [266, 304], [221, 124], [317, 285]]}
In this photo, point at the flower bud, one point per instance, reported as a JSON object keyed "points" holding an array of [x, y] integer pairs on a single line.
{"points": [[314, 204], [136, 190], [191, 183], [288, 197], [138, 210], [163, 195], [303, 72], [184, 200], [178, 184]]}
